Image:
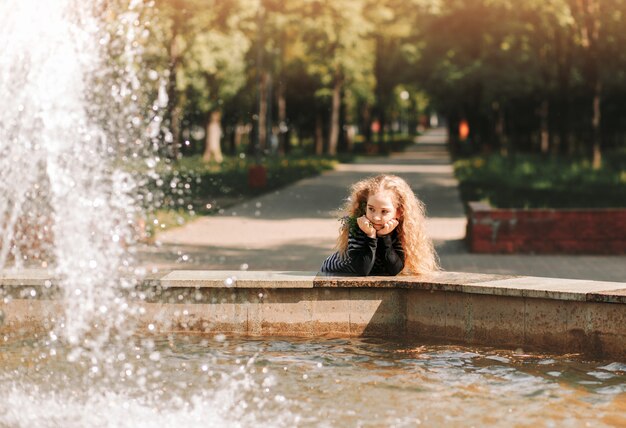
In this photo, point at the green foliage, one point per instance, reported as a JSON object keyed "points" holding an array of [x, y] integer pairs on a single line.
{"points": [[198, 187], [532, 181], [516, 71]]}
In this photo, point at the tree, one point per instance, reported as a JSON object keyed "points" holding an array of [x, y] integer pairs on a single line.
{"points": [[338, 52], [204, 55]]}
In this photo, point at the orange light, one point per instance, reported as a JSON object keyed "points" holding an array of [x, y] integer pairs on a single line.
{"points": [[463, 130], [375, 126]]}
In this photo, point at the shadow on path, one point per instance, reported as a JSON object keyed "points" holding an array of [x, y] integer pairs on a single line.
{"points": [[295, 228]]}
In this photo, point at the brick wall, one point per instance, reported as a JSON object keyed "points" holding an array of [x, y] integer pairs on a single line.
{"points": [[548, 231]]}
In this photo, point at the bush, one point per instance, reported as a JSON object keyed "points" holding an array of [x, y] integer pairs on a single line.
{"points": [[199, 187], [533, 181]]}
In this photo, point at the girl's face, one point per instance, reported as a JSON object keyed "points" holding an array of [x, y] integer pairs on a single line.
{"points": [[380, 209]]}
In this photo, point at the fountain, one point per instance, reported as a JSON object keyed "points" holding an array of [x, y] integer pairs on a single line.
{"points": [[79, 112]]}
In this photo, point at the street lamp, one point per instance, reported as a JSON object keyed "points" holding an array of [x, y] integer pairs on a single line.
{"points": [[404, 96]]}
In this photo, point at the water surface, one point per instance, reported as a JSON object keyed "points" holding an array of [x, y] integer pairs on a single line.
{"points": [[183, 380]]}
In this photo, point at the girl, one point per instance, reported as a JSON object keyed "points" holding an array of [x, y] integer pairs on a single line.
{"points": [[383, 233]]}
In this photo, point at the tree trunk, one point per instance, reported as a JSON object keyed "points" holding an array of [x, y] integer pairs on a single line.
{"points": [[595, 126], [544, 131], [171, 111], [212, 148], [282, 118], [367, 127], [382, 146], [499, 131], [333, 135], [175, 130], [564, 67], [262, 120], [319, 135], [239, 130], [589, 24]]}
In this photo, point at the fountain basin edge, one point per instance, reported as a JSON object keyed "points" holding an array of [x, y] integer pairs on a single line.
{"points": [[532, 313]]}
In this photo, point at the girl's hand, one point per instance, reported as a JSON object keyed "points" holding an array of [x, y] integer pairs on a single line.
{"points": [[366, 226], [388, 227]]}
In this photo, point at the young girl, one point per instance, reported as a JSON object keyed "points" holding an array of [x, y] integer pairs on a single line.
{"points": [[383, 233]]}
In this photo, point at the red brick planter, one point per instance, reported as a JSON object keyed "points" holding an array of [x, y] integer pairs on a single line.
{"points": [[257, 177], [547, 231]]}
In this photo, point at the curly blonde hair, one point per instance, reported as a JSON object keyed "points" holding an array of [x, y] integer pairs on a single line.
{"points": [[419, 253]]}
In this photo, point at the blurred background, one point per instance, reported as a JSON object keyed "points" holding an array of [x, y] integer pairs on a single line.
{"points": [[304, 82]]}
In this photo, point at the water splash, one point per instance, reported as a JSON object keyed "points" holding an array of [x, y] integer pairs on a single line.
{"points": [[73, 109]]}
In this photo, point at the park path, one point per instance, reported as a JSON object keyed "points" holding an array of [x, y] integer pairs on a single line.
{"points": [[295, 228]]}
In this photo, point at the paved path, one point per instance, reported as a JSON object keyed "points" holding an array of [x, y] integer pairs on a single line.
{"points": [[295, 228]]}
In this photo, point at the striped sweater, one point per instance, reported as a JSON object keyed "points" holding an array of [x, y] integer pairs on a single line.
{"points": [[367, 256]]}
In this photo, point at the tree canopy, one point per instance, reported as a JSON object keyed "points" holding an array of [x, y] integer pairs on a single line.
{"points": [[545, 76]]}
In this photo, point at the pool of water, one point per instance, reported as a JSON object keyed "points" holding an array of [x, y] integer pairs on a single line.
{"points": [[183, 380]]}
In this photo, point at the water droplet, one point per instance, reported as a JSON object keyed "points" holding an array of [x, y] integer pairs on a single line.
{"points": [[151, 327], [244, 266], [220, 337]]}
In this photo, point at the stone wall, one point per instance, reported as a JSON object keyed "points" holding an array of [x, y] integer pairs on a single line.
{"points": [[545, 231], [532, 313]]}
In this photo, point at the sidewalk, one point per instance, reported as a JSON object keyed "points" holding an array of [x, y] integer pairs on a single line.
{"points": [[295, 228]]}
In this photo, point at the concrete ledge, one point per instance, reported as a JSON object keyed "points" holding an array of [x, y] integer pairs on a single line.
{"points": [[546, 314]]}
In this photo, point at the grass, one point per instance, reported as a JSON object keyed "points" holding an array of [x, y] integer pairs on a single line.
{"points": [[191, 187], [533, 181]]}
